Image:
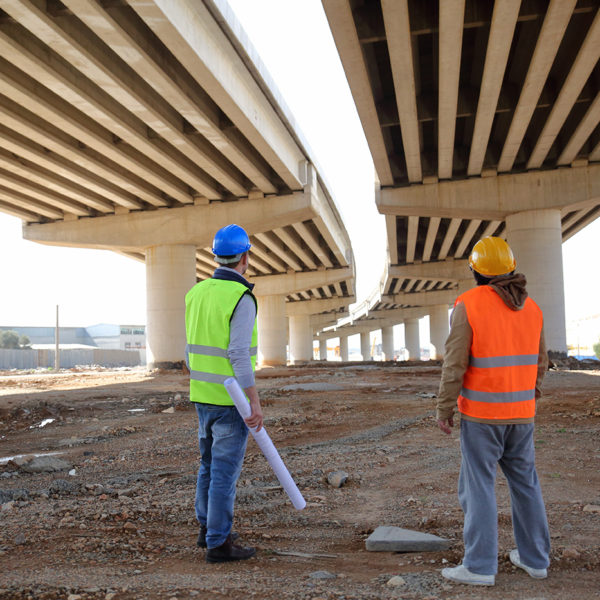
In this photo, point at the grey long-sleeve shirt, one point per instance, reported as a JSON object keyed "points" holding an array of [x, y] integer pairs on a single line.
{"points": [[240, 339]]}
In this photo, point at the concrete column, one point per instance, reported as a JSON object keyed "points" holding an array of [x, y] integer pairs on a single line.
{"points": [[301, 343], [272, 330], [536, 241], [170, 273], [365, 345], [464, 285], [438, 328], [411, 338], [322, 349], [387, 342], [344, 348]]}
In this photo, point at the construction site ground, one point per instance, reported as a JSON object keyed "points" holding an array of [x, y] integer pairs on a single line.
{"points": [[119, 523]]}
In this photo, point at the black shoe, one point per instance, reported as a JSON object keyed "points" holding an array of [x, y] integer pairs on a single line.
{"points": [[201, 541], [228, 551]]}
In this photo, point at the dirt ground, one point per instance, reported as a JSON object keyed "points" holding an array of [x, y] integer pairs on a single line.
{"points": [[120, 524]]}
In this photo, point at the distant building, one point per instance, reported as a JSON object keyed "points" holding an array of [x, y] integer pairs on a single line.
{"points": [[104, 336], [124, 337]]}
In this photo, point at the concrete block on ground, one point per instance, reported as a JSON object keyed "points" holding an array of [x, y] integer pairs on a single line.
{"points": [[43, 464], [387, 538]]}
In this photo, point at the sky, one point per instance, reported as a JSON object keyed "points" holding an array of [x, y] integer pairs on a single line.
{"points": [[293, 39]]}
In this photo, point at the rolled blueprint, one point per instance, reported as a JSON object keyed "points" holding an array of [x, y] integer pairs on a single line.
{"points": [[266, 445]]}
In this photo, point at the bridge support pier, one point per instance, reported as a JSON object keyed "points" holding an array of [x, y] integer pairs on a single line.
{"points": [[464, 285], [536, 241], [344, 348], [439, 328], [322, 349], [300, 339], [365, 345], [170, 273], [387, 342], [272, 327], [411, 339]]}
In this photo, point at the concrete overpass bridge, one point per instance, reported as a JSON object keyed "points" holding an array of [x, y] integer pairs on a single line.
{"points": [[142, 127], [482, 118]]}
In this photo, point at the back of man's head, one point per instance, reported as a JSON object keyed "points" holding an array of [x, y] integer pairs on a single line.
{"points": [[230, 244]]}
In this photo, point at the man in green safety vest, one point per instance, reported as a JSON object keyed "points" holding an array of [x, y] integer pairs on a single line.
{"points": [[221, 331]]}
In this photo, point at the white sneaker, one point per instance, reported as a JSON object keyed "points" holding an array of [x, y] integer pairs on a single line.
{"points": [[515, 559], [461, 574]]}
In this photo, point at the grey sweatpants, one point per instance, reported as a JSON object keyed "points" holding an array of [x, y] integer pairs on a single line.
{"points": [[484, 446]]}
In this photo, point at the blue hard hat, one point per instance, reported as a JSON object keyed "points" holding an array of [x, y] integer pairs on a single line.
{"points": [[230, 240]]}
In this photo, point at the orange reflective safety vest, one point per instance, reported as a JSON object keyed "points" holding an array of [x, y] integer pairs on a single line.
{"points": [[500, 380]]}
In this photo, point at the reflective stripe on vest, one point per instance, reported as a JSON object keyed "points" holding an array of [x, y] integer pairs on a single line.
{"points": [[209, 307], [498, 396], [499, 383], [213, 351], [504, 361]]}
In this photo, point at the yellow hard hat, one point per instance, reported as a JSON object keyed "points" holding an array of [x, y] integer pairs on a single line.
{"points": [[491, 257]]}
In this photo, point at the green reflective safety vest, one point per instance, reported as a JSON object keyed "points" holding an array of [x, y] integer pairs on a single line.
{"points": [[209, 306]]}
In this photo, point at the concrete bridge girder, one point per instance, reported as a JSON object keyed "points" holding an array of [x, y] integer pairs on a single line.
{"points": [[327, 219], [196, 39], [319, 322], [448, 271], [422, 298], [289, 283], [192, 226], [195, 225], [316, 307], [496, 197]]}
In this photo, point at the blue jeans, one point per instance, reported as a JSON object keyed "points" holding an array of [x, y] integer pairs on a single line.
{"points": [[222, 435], [483, 447]]}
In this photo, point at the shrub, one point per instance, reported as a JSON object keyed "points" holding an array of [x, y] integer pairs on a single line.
{"points": [[9, 340]]}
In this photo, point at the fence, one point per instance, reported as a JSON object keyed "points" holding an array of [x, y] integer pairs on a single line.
{"points": [[33, 359]]}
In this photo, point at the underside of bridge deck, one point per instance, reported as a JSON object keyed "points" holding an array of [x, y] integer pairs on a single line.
{"points": [[475, 113], [143, 127]]}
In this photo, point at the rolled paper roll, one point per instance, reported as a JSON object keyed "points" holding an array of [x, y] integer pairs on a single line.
{"points": [[265, 443]]}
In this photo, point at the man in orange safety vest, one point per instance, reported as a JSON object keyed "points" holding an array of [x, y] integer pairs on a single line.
{"points": [[495, 359]]}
